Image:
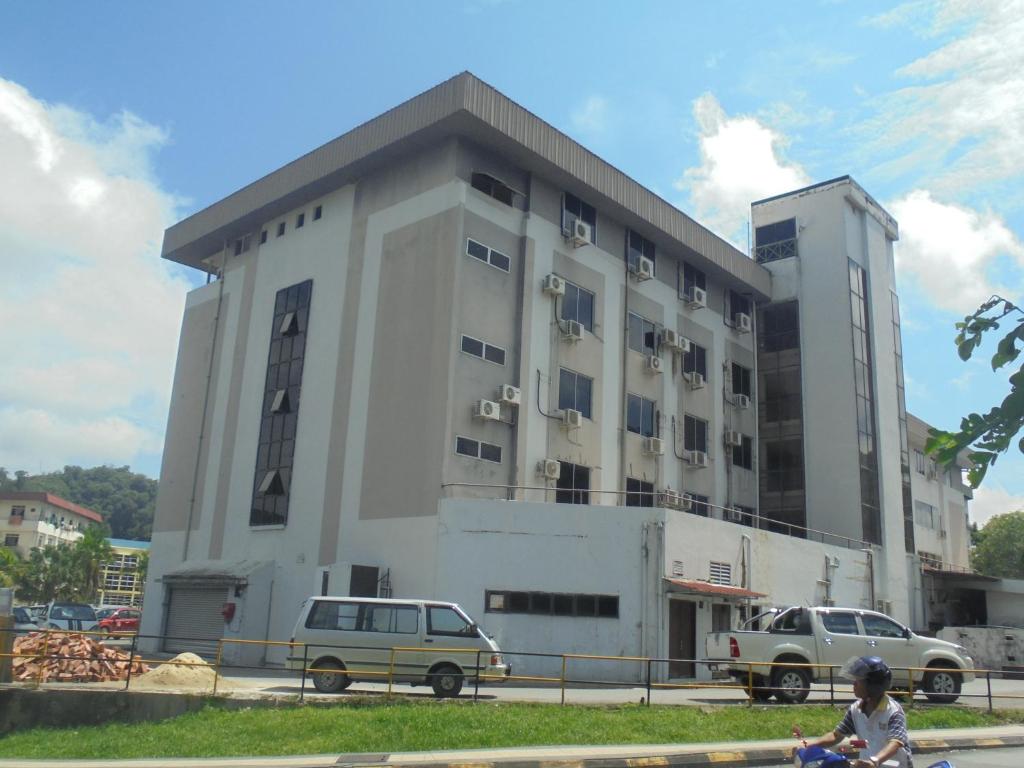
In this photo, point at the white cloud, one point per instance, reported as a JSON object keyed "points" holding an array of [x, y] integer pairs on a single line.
{"points": [[92, 310], [740, 163], [991, 500], [591, 117], [949, 250], [964, 117]]}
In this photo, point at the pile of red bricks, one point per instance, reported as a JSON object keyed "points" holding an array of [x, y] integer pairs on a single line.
{"points": [[66, 657]]}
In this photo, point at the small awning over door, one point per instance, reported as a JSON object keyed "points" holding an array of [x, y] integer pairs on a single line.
{"points": [[708, 589]]}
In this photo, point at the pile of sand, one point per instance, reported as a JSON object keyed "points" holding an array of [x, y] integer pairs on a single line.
{"points": [[186, 670]]}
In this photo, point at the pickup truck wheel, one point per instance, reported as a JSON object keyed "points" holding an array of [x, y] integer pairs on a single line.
{"points": [[791, 685], [942, 685]]}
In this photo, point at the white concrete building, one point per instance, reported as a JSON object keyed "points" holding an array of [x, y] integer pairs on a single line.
{"points": [[30, 520], [452, 354]]}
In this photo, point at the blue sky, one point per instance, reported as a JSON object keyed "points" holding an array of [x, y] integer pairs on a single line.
{"points": [[119, 118]]}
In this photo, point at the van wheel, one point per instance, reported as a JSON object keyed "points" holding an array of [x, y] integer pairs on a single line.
{"points": [[942, 685], [330, 682], [791, 685], [446, 681]]}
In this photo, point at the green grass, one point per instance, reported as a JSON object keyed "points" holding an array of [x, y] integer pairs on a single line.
{"points": [[404, 726]]}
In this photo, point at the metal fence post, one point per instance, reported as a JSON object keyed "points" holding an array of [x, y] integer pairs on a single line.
{"points": [[988, 681], [750, 685], [831, 686], [391, 671], [649, 662], [131, 662], [476, 684], [563, 680], [910, 687], [216, 669], [305, 663]]}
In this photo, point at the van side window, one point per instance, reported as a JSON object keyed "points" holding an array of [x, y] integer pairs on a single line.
{"points": [[401, 619], [327, 614], [445, 621]]}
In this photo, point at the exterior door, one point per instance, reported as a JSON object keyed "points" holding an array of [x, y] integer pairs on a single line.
{"points": [[682, 638], [194, 620], [884, 637], [840, 640]]}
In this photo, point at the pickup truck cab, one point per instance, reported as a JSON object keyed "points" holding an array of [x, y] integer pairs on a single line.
{"points": [[822, 639]]}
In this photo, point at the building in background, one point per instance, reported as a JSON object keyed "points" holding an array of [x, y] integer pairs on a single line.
{"points": [[29, 520], [452, 354], [122, 578]]}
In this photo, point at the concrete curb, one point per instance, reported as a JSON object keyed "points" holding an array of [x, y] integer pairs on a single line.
{"points": [[753, 756]]}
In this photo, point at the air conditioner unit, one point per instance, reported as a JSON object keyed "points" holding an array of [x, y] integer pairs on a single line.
{"points": [[696, 379], [670, 338], [509, 395], [742, 322], [572, 418], [697, 298], [697, 458], [581, 233], [686, 502], [572, 330], [670, 498], [644, 269], [487, 409], [549, 468], [733, 515], [742, 401], [654, 446], [553, 285], [654, 364], [733, 437]]}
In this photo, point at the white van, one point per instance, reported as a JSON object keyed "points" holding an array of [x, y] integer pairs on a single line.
{"points": [[351, 638]]}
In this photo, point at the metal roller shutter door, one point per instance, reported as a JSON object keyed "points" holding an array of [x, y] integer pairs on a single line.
{"points": [[194, 620]]}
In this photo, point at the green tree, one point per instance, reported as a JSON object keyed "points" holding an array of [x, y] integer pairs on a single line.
{"points": [[1000, 547], [987, 435], [69, 572], [10, 567]]}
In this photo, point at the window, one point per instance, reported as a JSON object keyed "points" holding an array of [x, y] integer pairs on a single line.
{"points": [[695, 434], [475, 449], [575, 209], [552, 603], [880, 626], [637, 246], [840, 623], [738, 304], [919, 462], [11, 540], [743, 454], [639, 493], [263, 237], [493, 187], [640, 414], [488, 255], [783, 468], [318, 213], [747, 515], [578, 305], [740, 380], [573, 484], [280, 229], [575, 391], [870, 504], [699, 505], [775, 241], [300, 220], [442, 620], [393, 619], [689, 278], [696, 360], [642, 335], [926, 515], [484, 351], [17, 515]]}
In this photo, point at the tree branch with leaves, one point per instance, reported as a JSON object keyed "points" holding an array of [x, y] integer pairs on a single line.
{"points": [[988, 435]]}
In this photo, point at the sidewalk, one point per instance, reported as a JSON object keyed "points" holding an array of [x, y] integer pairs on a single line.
{"points": [[747, 753]]}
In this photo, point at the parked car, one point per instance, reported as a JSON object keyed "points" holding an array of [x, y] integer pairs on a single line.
{"points": [[350, 638], [102, 611], [828, 637], [77, 617], [120, 620], [23, 621]]}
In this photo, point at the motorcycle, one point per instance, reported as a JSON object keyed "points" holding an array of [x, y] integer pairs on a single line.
{"points": [[819, 757]]}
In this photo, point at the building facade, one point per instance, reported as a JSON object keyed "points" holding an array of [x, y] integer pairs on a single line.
{"points": [[452, 354], [122, 578], [30, 520]]}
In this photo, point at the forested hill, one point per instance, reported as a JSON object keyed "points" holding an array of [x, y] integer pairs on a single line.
{"points": [[124, 498]]}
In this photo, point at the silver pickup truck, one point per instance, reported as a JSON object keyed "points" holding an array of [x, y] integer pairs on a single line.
{"points": [[824, 638]]}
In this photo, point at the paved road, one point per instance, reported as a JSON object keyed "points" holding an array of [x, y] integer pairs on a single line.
{"points": [[1007, 694], [975, 758]]}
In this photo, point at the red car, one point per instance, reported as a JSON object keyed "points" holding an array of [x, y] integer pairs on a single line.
{"points": [[121, 620]]}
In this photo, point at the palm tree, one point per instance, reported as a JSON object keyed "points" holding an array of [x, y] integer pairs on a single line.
{"points": [[90, 553]]}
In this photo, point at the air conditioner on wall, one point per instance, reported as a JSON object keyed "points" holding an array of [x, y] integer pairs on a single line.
{"points": [[697, 458], [743, 322], [509, 395], [581, 233], [549, 468], [572, 330], [553, 285], [572, 418], [653, 446], [733, 515], [669, 498], [733, 437], [644, 269], [487, 410], [696, 379], [670, 338], [742, 401], [654, 364], [686, 502], [697, 298]]}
